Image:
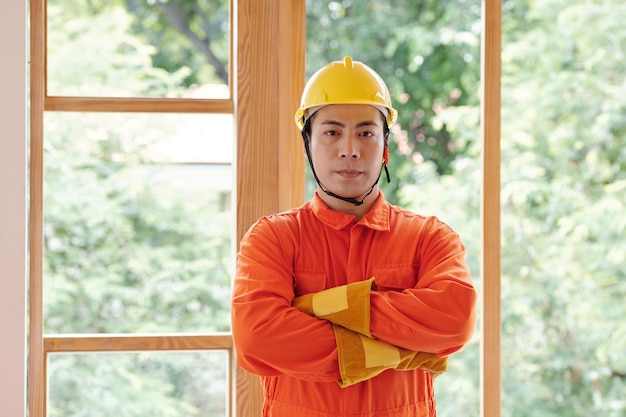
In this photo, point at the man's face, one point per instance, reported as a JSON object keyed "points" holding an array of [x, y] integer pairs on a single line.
{"points": [[346, 144]]}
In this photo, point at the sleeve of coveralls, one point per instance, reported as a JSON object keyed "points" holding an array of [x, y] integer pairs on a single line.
{"points": [[270, 336], [438, 314]]}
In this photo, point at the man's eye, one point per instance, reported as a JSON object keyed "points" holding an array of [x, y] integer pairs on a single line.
{"points": [[331, 133], [367, 134]]}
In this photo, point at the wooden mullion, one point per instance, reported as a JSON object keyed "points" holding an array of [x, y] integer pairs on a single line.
{"points": [[270, 56], [491, 379], [139, 105], [36, 361], [133, 343]]}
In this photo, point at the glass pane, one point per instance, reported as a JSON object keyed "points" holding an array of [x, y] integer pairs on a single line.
{"points": [[137, 222], [564, 205], [428, 53], [138, 48], [147, 384]]}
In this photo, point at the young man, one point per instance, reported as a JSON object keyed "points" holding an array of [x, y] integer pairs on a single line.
{"points": [[348, 305]]}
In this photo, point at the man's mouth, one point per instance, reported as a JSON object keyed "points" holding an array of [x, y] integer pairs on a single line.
{"points": [[350, 173]]}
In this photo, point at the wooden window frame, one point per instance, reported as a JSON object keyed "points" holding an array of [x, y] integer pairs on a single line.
{"points": [[267, 74], [490, 268], [263, 86]]}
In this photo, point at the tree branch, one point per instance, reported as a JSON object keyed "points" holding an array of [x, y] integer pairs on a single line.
{"points": [[173, 12]]}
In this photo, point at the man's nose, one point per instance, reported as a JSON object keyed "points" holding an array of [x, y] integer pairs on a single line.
{"points": [[349, 147]]}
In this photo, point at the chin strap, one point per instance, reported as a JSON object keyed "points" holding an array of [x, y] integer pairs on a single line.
{"points": [[387, 173], [351, 200]]}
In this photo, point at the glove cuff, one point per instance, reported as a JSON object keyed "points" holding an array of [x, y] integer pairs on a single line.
{"points": [[346, 305], [361, 358], [429, 362]]}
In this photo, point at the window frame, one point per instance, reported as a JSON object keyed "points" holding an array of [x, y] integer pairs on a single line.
{"points": [[253, 60], [490, 265]]}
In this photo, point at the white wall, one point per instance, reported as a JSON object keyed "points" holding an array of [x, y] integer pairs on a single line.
{"points": [[13, 92]]}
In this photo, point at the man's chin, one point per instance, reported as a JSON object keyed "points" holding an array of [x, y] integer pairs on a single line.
{"points": [[350, 193]]}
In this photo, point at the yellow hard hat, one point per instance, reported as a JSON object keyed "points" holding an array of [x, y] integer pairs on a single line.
{"points": [[345, 82]]}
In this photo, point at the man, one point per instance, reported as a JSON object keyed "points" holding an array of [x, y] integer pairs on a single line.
{"points": [[348, 305]]}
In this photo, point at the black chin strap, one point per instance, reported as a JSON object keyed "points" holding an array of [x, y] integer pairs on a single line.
{"points": [[305, 137]]}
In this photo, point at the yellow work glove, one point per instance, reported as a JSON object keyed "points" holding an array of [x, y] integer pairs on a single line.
{"points": [[430, 362], [361, 358], [346, 305]]}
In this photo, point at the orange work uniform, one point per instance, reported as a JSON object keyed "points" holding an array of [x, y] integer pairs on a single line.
{"points": [[423, 301]]}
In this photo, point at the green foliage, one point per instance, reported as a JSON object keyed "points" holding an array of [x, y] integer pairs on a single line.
{"points": [[95, 54], [134, 253], [457, 389], [129, 246], [131, 385], [428, 54], [563, 153], [189, 33], [563, 195], [152, 49]]}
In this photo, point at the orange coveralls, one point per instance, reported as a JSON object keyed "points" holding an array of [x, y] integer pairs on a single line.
{"points": [[424, 301]]}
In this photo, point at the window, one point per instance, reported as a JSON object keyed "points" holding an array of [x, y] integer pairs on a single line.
{"points": [[132, 229]]}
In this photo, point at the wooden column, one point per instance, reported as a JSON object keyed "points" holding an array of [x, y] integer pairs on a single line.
{"points": [[490, 210], [270, 60]]}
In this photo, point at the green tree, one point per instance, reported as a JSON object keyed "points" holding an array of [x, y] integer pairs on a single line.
{"points": [[125, 251], [144, 48], [189, 33], [427, 52], [563, 190], [122, 258]]}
